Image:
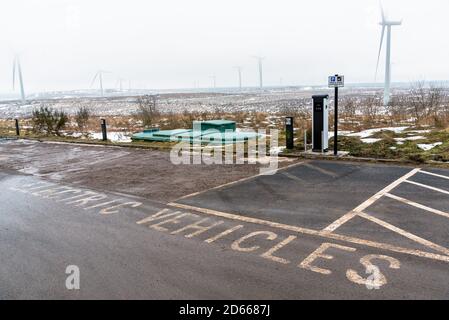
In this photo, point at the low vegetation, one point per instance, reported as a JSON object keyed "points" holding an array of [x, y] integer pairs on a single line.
{"points": [[423, 107], [147, 111], [393, 145], [45, 119], [82, 117]]}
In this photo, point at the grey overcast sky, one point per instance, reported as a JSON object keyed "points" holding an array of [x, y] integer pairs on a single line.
{"points": [[173, 43]]}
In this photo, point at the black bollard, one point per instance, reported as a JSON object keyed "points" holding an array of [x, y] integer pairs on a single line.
{"points": [[103, 130], [17, 127]]}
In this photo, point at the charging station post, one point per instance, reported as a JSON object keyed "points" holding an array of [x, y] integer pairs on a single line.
{"points": [[289, 133], [320, 118]]}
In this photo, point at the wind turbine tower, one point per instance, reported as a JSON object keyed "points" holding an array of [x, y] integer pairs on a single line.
{"points": [[259, 60], [214, 81], [386, 24], [239, 70], [16, 66], [99, 75], [120, 83]]}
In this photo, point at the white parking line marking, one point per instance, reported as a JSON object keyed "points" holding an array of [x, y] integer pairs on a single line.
{"points": [[338, 223], [236, 182], [327, 235], [404, 233], [434, 174], [427, 187], [417, 205], [293, 177], [321, 170]]}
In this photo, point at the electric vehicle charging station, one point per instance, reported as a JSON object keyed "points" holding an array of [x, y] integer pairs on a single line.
{"points": [[289, 133], [320, 123]]}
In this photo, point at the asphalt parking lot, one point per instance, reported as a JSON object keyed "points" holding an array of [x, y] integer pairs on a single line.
{"points": [[315, 229], [412, 203]]}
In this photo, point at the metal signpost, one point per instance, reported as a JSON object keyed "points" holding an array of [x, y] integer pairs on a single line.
{"points": [[336, 82]]}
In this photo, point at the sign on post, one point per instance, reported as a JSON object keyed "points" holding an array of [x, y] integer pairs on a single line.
{"points": [[336, 81]]}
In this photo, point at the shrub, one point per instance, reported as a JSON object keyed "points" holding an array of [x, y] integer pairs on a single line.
{"points": [[147, 111], [82, 117], [417, 157], [47, 120]]}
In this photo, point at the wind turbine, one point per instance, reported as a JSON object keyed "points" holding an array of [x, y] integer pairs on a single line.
{"points": [[239, 70], [99, 75], [214, 80], [16, 65], [386, 24], [260, 59], [196, 84], [120, 83]]}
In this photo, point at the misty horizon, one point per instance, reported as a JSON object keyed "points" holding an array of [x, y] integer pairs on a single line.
{"points": [[177, 45]]}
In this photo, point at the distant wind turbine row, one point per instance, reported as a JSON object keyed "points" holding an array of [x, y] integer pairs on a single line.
{"points": [[239, 73], [385, 23], [99, 75], [259, 61]]}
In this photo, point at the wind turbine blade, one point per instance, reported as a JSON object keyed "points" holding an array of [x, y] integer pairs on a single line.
{"points": [[380, 50], [14, 74], [93, 80], [382, 12]]}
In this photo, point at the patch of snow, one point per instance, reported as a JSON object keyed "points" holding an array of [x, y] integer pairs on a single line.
{"points": [[368, 133], [277, 150], [413, 138], [340, 133], [74, 134], [112, 136], [419, 131], [427, 147], [370, 140]]}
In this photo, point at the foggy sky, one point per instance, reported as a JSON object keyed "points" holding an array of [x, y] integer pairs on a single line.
{"points": [[173, 43]]}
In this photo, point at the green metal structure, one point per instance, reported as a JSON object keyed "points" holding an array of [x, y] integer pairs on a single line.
{"points": [[210, 132]]}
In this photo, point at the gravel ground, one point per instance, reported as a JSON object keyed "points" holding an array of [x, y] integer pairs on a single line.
{"points": [[147, 173]]}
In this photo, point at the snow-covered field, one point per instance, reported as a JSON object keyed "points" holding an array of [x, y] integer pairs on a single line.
{"points": [[267, 101]]}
